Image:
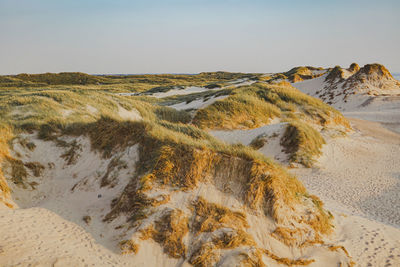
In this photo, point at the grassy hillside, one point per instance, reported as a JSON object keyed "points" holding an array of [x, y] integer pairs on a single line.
{"points": [[161, 131], [118, 83], [252, 106], [176, 156]]}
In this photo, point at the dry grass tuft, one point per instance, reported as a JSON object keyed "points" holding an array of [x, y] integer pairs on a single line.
{"points": [[252, 259], [72, 154], [169, 231], [36, 167], [286, 261], [128, 247], [26, 144], [209, 253], [206, 255], [336, 248], [300, 237], [182, 165], [302, 143], [209, 216], [18, 172], [147, 232], [115, 163], [259, 141], [233, 239]]}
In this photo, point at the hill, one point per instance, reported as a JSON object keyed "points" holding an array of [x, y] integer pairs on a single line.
{"points": [[350, 88], [144, 178]]}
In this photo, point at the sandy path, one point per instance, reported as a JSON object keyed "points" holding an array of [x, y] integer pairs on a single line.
{"points": [[25, 239], [39, 237], [376, 130], [360, 172], [369, 243], [360, 176]]}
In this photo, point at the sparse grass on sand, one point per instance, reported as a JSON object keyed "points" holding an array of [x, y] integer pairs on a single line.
{"points": [[179, 154], [171, 150]]}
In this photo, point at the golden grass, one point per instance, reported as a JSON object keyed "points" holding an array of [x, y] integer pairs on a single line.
{"points": [[5, 135], [336, 248], [233, 239], [210, 216], [173, 153], [147, 232], [128, 247], [206, 255], [302, 143], [266, 101], [287, 261], [252, 259], [169, 231], [335, 74], [235, 112], [209, 253]]}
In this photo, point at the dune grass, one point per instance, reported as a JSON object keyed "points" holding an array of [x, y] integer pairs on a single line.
{"points": [[174, 153], [259, 141], [255, 105], [302, 142], [128, 247], [210, 216], [60, 78], [116, 83], [169, 231], [236, 111]]}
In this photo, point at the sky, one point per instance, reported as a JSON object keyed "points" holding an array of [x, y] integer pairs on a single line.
{"points": [[191, 36]]}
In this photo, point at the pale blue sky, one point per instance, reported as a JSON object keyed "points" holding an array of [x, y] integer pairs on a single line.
{"points": [[177, 36]]}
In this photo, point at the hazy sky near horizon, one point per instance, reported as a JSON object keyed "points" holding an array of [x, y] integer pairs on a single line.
{"points": [[190, 36]]}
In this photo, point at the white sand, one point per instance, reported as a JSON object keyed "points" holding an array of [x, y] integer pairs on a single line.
{"points": [[359, 176], [360, 172], [186, 91], [48, 227], [271, 148], [198, 103]]}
